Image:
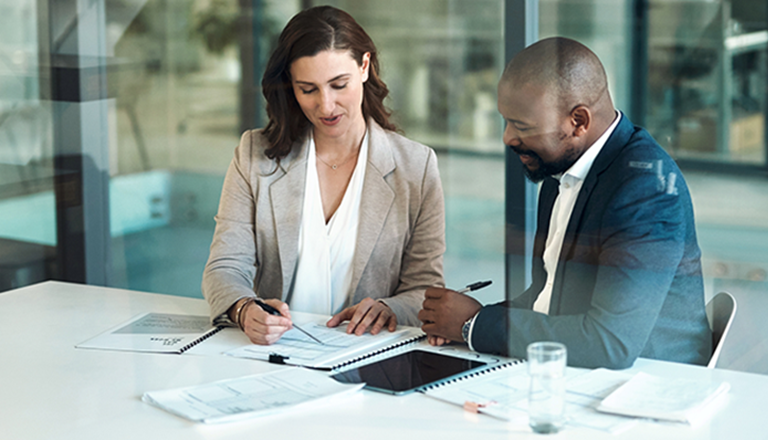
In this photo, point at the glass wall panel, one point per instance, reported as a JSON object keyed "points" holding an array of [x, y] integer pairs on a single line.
{"points": [[706, 78], [605, 26], [177, 117], [27, 207]]}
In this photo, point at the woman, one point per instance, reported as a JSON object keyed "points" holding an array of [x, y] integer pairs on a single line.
{"points": [[326, 209]]}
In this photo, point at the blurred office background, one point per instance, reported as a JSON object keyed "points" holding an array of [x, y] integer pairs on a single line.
{"points": [[118, 119]]}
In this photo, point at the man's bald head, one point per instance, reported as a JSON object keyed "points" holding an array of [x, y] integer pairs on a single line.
{"points": [[568, 69], [554, 98]]}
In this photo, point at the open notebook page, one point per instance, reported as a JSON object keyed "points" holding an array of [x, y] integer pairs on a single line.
{"points": [[298, 349]]}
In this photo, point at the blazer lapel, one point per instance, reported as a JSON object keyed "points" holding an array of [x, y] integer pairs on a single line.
{"points": [[287, 199], [611, 149], [376, 201]]}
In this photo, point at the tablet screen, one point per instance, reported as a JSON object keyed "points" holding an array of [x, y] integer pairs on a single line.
{"points": [[407, 371]]}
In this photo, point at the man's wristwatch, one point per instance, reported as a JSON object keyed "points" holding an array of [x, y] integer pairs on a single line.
{"points": [[465, 329]]}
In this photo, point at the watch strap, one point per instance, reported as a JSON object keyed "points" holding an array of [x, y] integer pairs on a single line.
{"points": [[465, 329]]}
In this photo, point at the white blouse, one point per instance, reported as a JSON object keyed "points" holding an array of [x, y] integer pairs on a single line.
{"points": [[326, 251]]}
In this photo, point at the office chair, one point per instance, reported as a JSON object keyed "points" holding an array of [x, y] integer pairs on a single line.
{"points": [[720, 312]]}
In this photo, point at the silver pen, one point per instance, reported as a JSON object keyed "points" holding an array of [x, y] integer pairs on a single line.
{"points": [[273, 311]]}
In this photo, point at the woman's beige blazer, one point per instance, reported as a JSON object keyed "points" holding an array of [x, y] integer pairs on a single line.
{"points": [[401, 236]]}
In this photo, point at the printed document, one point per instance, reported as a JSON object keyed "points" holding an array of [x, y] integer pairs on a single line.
{"points": [[249, 396], [679, 400], [156, 333]]}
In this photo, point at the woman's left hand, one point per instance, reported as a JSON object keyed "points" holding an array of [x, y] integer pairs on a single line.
{"points": [[367, 313]]}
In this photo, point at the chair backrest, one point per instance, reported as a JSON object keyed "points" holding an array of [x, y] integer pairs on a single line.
{"points": [[720, 312]]}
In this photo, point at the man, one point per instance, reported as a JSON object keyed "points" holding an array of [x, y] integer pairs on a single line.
{"points": [[616, 270]]}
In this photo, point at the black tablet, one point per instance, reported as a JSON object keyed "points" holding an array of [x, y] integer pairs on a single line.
{"points": [[409, 371]]}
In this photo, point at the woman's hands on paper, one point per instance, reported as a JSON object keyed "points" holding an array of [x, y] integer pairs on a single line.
{"points": [[366, 314], [444, 312], [263, 328]]}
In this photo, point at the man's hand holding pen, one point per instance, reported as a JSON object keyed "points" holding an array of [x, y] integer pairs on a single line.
{"points": [[444, 311]]}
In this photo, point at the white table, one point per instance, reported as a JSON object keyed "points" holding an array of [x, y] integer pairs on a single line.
{"points": [[51, 390]]}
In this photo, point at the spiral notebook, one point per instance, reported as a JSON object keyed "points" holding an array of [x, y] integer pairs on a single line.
{"points": [[155, 333], [339, 348]]}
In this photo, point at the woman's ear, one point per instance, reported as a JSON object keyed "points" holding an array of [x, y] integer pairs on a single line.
{"points": [[365, 66]]}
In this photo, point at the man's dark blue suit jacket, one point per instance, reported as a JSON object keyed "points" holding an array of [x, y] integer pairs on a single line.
{"points": [[628, 282]]}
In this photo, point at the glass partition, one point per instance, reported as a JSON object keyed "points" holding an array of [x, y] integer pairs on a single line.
{"points": [[177, 119], [27, 206]]}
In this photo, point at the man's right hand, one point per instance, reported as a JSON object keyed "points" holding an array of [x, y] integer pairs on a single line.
{"points": [[444, 312]]}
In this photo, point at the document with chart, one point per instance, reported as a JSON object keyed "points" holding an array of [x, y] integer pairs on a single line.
{"points": [[155, 333], [249, 396], [338, 347]]}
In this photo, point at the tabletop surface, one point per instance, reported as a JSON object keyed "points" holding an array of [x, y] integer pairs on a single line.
{"points": [[51, 390]]}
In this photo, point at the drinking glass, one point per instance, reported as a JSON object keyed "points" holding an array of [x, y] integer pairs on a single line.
{"points": [[546, 398]]}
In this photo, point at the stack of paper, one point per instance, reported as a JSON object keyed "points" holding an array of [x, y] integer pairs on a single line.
{"points": [[679, 400], [248, 396]]}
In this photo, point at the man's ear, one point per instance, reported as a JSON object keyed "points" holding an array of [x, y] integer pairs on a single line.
{"points": [[581, 120]]}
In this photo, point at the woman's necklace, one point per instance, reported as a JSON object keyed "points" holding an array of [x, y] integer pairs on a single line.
{"points": [[334, 166]]}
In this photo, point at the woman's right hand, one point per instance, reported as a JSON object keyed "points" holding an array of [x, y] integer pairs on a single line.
{"points": [[263, 328]]}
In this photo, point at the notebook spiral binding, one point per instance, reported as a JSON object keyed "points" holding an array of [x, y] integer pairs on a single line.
{"points": [[379, 351], [471, 375], [201, 339]]}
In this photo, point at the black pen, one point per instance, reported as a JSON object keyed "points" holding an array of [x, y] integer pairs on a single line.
{"points": [[273, 311], [475, 286]]}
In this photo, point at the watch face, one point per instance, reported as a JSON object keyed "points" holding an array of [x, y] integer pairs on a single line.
{"points": [[465, 330]]}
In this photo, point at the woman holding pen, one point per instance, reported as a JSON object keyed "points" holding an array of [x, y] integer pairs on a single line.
{"points": [[327, 209]]}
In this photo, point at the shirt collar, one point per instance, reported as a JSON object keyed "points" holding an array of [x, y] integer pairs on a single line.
{"points": [[580, 168]]}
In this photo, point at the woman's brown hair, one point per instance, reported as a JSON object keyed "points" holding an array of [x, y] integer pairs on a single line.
{"points": [[308, 33]]}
